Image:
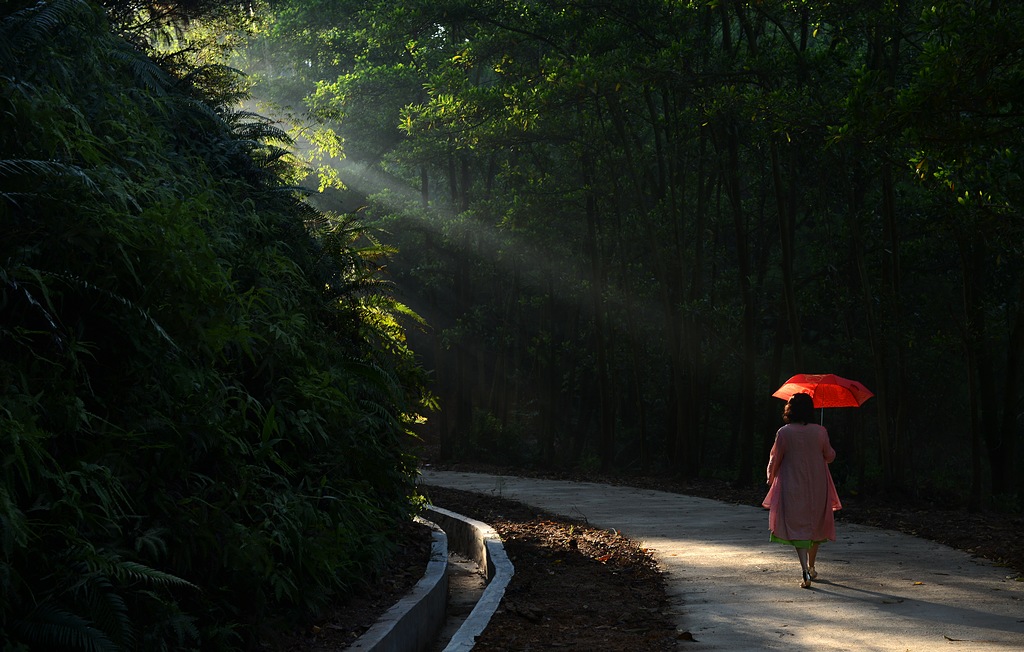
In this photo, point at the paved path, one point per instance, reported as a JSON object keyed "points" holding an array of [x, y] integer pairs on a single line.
{"points": [[733, 590]]}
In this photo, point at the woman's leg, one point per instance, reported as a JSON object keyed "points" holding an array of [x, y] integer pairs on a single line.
{"points": [[812, 554], [805, 578]]}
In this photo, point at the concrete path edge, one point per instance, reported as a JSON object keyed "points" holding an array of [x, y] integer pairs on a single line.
{"points": [[412, 624], [479, 542]]}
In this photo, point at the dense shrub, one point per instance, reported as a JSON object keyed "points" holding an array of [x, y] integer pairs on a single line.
{"points": [[204, 391]]}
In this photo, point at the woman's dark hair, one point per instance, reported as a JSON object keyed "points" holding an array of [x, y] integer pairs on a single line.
{"points": [[799, 409]]}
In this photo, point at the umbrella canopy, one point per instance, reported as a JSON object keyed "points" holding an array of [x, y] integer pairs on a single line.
{"points": [[827, 390]]}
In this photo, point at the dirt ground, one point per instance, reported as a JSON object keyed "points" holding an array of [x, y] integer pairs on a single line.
{"points": [[577, 587]]}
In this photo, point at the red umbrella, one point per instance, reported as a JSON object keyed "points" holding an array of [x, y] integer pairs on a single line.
{"points": [[827, 390]]}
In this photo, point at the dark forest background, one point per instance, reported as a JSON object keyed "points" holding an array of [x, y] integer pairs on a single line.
{"points": [[628, 222]]}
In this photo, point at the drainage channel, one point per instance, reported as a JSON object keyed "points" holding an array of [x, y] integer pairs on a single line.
{"points": [[480, 543], [466, 583], [460, 591]]}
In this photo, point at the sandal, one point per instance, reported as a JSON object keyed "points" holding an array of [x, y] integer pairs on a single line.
{"points": [[812, 573], [806, 582]]}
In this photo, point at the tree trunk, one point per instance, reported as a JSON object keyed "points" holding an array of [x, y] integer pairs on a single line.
{"points": [[748, 334], [787, 230], [548, 371], [424, 187], [870, 317], [606, 432], [973, 316], [892, 277], [1001, 405], [1012, 397]]}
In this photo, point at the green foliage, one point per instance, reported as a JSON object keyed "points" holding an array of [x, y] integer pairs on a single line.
{"points": [[628, 222], [205, 393]]}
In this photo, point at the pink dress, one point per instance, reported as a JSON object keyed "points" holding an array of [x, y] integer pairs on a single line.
{"points": [[802, 497]]}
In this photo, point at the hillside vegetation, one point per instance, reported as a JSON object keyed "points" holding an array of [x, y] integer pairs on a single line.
{"points": [[205, 390]]}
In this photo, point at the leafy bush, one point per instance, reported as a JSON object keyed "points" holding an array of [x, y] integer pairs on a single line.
{"points": [[204, 391]]}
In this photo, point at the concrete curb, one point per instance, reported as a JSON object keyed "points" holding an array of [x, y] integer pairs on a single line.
{"points": [[414, 621], [479, 542]]}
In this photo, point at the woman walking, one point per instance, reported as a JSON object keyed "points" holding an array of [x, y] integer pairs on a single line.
{"points": [[801, 497]]}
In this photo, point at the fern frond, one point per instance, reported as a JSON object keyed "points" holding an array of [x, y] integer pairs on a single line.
{"points": [[31, 25], [184, 110], [127, 303], [37, 304], [45, 169], [375, 377], [177, 631], [136, 572], [106, 608], [14, 525], [51, 627], [252, 126], [145, 72], [214, 81], [407, 312], [152, 542]]}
